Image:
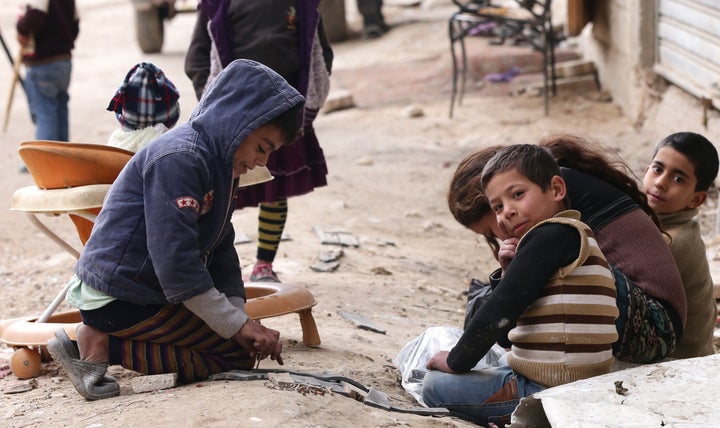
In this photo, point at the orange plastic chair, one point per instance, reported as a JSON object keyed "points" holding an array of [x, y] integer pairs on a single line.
{"points": [[72, 179]]}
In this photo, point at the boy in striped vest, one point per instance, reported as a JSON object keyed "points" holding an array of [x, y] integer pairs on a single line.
{"points": [[554, 301]]}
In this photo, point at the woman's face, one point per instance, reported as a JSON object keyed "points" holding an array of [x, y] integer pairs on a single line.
{"points": [[488, 227]]}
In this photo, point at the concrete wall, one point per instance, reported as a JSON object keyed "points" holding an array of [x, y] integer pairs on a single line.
{"points": [[613, 41], [621, 42]]}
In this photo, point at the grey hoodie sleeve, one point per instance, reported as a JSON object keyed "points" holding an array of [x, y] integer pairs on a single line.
{"points": [[224, 316]]}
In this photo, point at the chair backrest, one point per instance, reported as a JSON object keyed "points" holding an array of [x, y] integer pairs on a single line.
{"points": [[58, 165]]}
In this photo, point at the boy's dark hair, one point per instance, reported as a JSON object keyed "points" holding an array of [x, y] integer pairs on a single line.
{"points": [[288, 123], [699, 151], [532, 161]]}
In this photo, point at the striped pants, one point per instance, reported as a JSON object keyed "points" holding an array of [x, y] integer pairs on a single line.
{"points": [[165, 339]]}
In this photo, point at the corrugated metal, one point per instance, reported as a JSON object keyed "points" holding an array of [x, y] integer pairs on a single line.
{"points": [[688, 45]]}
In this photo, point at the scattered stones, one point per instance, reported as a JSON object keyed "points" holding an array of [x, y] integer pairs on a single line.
{"points": [[21, 386], [365, 161], [380, 271], [336, 236], [331, 255], [413, 112], [324, 266], [340, 99]]}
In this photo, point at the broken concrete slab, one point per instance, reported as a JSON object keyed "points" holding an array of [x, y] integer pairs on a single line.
{"points": [[151, 383], [674, 393]]}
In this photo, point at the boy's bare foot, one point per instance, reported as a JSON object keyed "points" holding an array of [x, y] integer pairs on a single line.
{"points": [[93, 344]]}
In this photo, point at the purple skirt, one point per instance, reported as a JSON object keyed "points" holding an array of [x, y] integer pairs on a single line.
{"points": [[298, 169]]}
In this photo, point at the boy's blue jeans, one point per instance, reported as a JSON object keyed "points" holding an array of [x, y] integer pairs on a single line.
{"points": [[482, 396], [47, 92]]}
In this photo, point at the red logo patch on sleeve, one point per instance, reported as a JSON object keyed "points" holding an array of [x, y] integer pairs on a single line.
{"points": [[187, 202], [207, 202]]}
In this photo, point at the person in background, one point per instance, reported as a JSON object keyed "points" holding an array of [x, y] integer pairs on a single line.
{"points": [[46, 31], [287, 36], [374, 24], [683, 167], [146, 105]]}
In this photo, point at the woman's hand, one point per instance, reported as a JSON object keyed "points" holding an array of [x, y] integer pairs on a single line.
{"points": [[439, 362], [507, 252]]}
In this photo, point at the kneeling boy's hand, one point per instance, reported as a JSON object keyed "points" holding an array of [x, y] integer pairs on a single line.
{"points": [[261, 341]]}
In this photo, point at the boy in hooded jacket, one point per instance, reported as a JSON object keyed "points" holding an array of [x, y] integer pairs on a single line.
{"points": [[158, 283]]}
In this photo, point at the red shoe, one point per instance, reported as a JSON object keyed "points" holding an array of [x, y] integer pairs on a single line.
{"points": [[263, 272]]}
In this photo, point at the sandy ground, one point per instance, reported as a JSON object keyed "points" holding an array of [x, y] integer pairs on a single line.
{"points": [[387, 185]]}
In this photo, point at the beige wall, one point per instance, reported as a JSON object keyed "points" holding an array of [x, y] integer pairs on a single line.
{"points": [[621, 42]]}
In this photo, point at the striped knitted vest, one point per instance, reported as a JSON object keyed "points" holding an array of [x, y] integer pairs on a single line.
{"points": [[567, 333]]}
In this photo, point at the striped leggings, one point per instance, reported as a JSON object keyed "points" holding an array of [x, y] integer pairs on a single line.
{"points": [[271, 223]]}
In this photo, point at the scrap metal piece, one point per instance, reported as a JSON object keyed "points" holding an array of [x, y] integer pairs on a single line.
{"points": [[361, 322], [239, 375]]}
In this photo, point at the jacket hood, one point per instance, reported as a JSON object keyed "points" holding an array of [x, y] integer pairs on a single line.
{"points": [[243, 97]]}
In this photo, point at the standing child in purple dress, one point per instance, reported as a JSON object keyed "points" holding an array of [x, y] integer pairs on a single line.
{"points": [[287, 36]]}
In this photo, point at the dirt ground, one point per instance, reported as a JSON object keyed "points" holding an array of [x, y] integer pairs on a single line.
{"points": [[388, 178]]}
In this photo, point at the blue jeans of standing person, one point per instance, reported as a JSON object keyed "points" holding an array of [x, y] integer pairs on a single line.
{"points": [[47, 92], [484, 396]]}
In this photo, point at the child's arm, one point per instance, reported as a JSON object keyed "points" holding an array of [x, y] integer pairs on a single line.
{"points": [[328, 54], [543, 251], [197, 58]]}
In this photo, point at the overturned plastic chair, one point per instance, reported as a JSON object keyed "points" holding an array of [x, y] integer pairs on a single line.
{"points": [[72, 179]]}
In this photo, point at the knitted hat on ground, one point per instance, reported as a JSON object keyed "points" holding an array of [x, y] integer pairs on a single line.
{"points": [[145, 98]]}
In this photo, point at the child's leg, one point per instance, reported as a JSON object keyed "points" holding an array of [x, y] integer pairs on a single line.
{"points": [[176, 341], [482, 396], [93, 344], [271, 224], [645, 331]]}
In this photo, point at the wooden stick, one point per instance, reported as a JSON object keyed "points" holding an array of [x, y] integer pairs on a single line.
{"points": [[13, 84]]}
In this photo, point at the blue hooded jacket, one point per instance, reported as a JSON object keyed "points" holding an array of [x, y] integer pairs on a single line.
{"points": [[164, 233]]}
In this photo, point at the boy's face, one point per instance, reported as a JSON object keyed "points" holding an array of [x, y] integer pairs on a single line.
{"points": [[519, 204], [256, 148], [670, 181]]}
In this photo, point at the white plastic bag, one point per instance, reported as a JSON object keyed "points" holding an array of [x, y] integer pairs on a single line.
{"points": [[414, 356]]}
